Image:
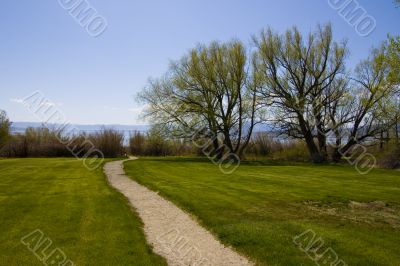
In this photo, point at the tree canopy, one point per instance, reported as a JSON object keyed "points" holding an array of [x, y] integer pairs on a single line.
{"points": [[5, 125], [210, 93], [221, 91]]}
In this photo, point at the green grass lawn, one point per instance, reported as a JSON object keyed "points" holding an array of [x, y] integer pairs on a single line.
{"points": [[75, 208], [260, 208]]}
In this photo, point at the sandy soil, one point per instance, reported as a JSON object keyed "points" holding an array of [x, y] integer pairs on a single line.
{"points": [[171, 232]]}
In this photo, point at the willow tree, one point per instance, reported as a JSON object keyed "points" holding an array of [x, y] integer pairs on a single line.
{"points": [[299, 77], [392, 53], [209, 93], [393, 59], [370, 103]]}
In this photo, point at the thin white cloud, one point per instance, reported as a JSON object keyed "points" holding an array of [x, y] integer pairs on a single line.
{"points": [[44, 104], [110, 108], [137, 110]]}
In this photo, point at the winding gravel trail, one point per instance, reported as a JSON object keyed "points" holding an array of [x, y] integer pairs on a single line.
{"points": [[172, 233]]}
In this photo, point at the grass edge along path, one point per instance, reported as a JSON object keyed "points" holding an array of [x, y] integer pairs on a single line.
{"points": [[260, 208], [172, 232], [77, 211]]}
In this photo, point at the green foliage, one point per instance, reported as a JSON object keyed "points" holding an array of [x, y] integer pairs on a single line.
{"points": [[156, 143], [51, 142], [136, 143], [299, 82], [393, 57], [5, 125], [294, 152], [109, 142], [300, 78], [210, 90]]}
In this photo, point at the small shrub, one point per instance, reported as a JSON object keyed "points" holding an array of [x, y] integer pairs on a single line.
{"points": [[137, 142], [109, 141], [292, 151], [391, 159]]}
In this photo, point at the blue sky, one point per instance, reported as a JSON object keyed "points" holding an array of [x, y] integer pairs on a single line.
{"points": [[94, 80]]}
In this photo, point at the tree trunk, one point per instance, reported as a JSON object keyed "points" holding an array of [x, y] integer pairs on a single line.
{"points": [[396, 129], [322, 146], [336, 155], [313, 150], [315, 154], [25, 148], [218, 150], [343, 150]]}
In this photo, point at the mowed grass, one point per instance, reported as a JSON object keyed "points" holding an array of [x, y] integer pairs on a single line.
{"points": [[261, 207], [75, 208]]}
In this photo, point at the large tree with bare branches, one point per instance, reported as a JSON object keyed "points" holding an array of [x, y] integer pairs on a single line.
{"points": [[211, 93], [314, 99], [370, 103], [299, 76], [220, 93]]}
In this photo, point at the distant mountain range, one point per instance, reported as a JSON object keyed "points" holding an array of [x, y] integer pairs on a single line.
{"points": [[19, 127]]}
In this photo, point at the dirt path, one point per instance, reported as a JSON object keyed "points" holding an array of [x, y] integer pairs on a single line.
{"points": [[172, 233]]}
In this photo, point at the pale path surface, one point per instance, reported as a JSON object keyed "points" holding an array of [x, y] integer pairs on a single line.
{"points": [[172, 233]]}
